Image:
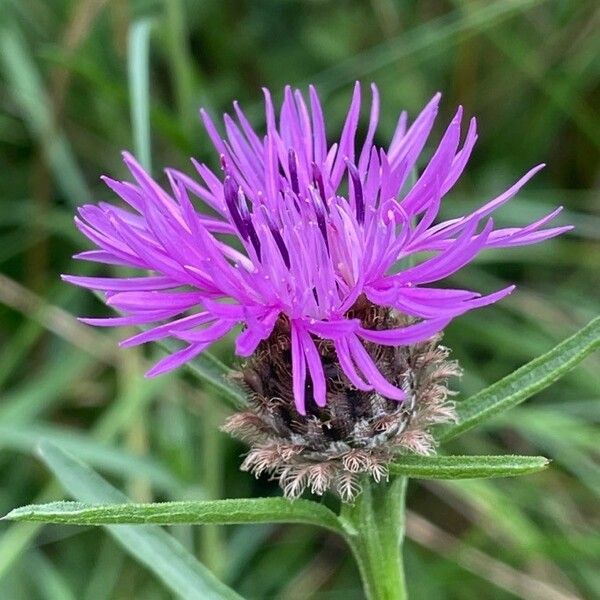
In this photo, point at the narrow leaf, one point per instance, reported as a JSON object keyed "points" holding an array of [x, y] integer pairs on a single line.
{"points": [[525, 382], [157, 550], [25, 84], [139, 93], [221, 512], [467, 467]]}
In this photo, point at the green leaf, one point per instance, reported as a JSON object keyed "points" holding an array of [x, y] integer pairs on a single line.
{"points": [[467, 467], [525, 382], [157, 550], [221, 512]]}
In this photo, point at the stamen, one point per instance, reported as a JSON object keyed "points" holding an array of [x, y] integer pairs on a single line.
{"points": [[293, 167], [230, 191], [238, 209], [318, 180], [247, 219], [319, 207], [359, 201], [277, 237]]}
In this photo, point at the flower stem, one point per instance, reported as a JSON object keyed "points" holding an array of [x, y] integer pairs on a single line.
{"points": [[377, 517]]}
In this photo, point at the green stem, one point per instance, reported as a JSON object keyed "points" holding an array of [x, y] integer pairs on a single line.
{"points": [[213, 543], [377, 517]]}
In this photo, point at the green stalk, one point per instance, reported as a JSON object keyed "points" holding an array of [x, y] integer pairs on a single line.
{"points": [[377, 517]]}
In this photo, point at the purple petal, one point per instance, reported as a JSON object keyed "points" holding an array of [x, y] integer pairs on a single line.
{"points": [[155, 300], [333, 329], [318, 127], [101, 256], [346, 147], [371, 372], [165, 330], [257, 330], [315, 366], [404, 336], [207, 335], [450, 228], [373, 121], [142, 319], [298, 371], [176, 359], [342, 350], [114, 284]]}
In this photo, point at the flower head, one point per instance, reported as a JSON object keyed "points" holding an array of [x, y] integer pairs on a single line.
{"points": [[358, 431], [293, 236]]}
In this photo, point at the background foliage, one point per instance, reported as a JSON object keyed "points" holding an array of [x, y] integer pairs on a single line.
{"points": [[68, 71]]}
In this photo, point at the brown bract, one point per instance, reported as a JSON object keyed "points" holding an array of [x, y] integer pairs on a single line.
{"points": [[356, 432]]}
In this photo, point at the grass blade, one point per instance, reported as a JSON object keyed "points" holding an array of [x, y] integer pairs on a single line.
{"points": [[103, 456], [441, 32], [150, 545], [221, 512], [139, 93], [467, 467], [183, 75], [526, 381], [27, 89]]}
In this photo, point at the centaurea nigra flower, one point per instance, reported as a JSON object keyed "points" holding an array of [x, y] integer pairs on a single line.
{"points": [[298, 242]]}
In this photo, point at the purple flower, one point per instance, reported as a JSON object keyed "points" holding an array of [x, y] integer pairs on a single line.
{"points": [[280, 237]]}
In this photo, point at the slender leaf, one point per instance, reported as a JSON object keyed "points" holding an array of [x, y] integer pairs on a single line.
{"points": [[467, 467], [220, 512], [526, 381], [139, 93], [150, 545]]}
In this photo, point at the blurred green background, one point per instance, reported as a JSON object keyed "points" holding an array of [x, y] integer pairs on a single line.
{"points": [[72, 96]]}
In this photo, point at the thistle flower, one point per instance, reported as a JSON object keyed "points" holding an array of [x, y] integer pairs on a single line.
{"points": [[298, 241]]}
